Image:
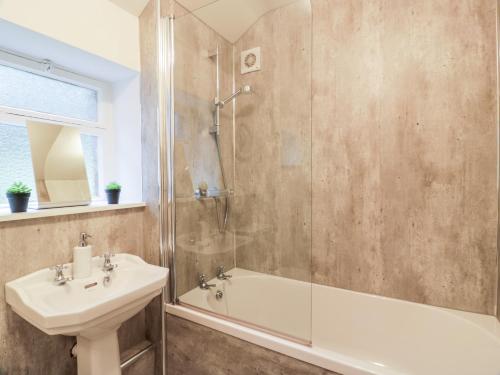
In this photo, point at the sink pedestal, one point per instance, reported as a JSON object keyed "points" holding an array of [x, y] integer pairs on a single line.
{"points": [[98, 355]]}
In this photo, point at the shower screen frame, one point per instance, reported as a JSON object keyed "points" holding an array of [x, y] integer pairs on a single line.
{"points": [[166, 151], [166, 137]]}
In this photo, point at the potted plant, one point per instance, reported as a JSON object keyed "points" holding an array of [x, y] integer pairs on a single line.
{"points": [[113, 192], [18, 195]]}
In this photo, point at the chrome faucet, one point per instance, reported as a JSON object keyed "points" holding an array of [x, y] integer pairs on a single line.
{"points": [[60, 279], [203, 283], [221, 275], [108, 266]]}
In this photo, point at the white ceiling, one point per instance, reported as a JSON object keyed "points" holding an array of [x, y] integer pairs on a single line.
{"points": [[134, 7], [230, 18], [195, 4]]}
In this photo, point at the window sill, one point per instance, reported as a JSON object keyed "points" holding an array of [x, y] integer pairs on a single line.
{"points": [[6, 215]]}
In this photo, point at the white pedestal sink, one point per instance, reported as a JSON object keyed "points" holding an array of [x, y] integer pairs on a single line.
{"points": [[88, 308]]}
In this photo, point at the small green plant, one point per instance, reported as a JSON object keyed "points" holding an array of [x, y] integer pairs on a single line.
{"points": [[113, 186], [18, 188]]}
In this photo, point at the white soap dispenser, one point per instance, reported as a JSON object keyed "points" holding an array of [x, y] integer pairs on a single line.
{"points": [[82, 258]]}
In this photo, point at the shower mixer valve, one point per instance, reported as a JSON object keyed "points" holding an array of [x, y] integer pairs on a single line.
{"points": [[203, 189]]}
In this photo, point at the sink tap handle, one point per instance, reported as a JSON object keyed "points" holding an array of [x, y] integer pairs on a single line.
{"points": [[107, 255], [107, 266], [58, 267], [60, 279]]}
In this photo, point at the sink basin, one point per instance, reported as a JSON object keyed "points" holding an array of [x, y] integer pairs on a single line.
{"points": [[88, 308]]}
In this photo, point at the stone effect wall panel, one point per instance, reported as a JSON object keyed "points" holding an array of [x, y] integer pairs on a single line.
{"points": [[227, 355], [404, 150], [150, 184], [272, 213]]}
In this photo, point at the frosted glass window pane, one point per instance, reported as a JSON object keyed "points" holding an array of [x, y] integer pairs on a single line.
{"points": [[24, 90], [90, 153], [15, 159]]}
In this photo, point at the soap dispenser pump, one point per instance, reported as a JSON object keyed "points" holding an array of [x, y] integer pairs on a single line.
{"points": [[82, 258]]}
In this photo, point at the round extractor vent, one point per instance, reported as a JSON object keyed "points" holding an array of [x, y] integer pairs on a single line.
{"points": [[250, 60]]}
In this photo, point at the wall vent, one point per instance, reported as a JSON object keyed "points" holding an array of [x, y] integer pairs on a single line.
{"points": [[250, 60]]}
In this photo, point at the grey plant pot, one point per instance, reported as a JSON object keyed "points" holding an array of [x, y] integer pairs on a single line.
{"points": [[113, 196], [18, 202]]}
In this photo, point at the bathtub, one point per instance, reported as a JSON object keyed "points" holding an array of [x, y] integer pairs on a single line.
{"points": [[343, 331]]}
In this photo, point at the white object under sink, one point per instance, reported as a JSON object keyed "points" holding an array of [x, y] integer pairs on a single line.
{"points": [[88, 308]]}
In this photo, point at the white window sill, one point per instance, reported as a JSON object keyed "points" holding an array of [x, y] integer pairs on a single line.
{"points": [[6, 215]]}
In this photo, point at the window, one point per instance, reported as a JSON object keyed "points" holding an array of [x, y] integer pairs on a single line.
{"points": [[15, 158], [29, 91], [56, 97]]}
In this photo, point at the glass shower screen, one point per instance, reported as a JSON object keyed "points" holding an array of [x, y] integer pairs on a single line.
{"points": [[242, 161]]}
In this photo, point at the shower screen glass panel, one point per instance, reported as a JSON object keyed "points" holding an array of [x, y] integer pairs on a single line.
{"points": [[243, 161]]}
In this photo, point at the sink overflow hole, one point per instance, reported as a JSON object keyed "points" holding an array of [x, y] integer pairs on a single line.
{"points": [[90, 285]]}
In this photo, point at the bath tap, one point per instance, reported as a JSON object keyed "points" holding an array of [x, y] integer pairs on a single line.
{"points": [[60, 279], [221, 275], [203, 282], [108, 266]]}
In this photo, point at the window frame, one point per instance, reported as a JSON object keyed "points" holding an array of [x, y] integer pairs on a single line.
{"points": [[102, 128]]}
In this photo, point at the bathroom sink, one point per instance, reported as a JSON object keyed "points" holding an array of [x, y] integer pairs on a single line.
{"points": [[91, 308]]}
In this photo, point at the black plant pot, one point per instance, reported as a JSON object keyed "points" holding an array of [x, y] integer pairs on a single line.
{"points": [[18, 202], [113, 196]]}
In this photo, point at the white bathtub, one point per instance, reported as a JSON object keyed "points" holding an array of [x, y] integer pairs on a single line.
{"points": [[349, 333]]}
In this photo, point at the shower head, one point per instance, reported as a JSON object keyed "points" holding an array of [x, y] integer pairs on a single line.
{"points": [[243, 90]]}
